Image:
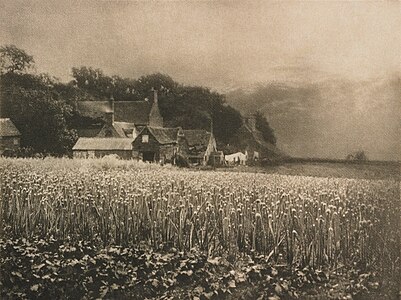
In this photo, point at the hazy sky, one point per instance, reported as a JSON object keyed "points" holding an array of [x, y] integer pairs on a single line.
{"points": [[216, 44]]}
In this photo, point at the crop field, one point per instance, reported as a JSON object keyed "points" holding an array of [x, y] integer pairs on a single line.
{"points": [[153, 232]]}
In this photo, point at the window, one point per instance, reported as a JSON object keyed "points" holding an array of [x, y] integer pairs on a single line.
{"points": [[145, 138], [15, 141]]}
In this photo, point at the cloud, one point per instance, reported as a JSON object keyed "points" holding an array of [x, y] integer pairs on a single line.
{"points": [[213, 44]]}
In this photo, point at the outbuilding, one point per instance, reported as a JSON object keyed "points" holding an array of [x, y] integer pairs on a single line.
{"points": [[9, 136], [99, 147]]}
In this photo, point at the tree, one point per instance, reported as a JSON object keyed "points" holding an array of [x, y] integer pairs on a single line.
{"points": [[357, 156], [39, 113], [37, 104], [93, 81], [264, 127], [14, 60]]}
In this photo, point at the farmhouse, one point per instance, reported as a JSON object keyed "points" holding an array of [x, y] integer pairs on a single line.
{"points": [[99, 147], [9, 136], [118, 118]]}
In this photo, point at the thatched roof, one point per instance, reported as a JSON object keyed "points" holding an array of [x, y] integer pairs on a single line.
{"points": [[164, 135], [103, 144], [136, 112], [197, 137], [7, 128]]}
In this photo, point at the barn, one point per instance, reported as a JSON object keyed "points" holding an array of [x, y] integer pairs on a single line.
{"points": [[9, 136], [100, 147]]}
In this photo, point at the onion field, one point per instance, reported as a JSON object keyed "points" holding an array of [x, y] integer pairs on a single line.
{"points": [[298, 222]]}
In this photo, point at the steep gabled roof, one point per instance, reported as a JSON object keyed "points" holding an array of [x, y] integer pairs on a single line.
{"points": [[125, 127], [119, 129], [197, 137], [7, 128], [164, 135], [91, 144]]}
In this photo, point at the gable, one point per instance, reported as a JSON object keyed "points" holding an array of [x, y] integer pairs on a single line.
{"points": [[7, 128], [160, 135], [111, 131]]}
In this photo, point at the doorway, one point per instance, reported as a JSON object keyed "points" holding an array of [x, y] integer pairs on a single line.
{"points": [[148, 156]]}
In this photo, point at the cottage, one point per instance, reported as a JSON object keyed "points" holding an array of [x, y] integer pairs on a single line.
{"points": [[9, 136], [201, 144], [99, 147], [118, 118], [158, 144]]}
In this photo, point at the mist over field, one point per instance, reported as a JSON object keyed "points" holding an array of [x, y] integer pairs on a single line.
{"points": [[330, 118]]}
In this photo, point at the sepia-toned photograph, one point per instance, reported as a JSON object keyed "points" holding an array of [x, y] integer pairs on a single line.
{"points": [[200, 150]]}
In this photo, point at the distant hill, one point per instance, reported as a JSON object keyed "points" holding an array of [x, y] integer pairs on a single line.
{"points": [[330, 118]]}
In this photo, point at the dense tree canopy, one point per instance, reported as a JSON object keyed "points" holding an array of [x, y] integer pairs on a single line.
{"points": [[35, 103], [263, 126]]}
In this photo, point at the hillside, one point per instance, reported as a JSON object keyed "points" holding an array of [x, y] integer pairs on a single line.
{"points": [[330, 118]]}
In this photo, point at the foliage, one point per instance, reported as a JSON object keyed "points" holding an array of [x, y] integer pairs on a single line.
{"points": [[357, 156], [80, 228], [264, 127], [51, 269], [39, 112], [93, 81], [14, 60]]}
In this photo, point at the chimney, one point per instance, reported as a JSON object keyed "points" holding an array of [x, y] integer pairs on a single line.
{"points": [[110, 113], [155, 96], [111, 103]]}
